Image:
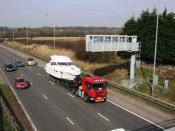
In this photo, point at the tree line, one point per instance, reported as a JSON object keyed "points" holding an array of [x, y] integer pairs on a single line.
{"points": [[145, 28], [60, 31]]}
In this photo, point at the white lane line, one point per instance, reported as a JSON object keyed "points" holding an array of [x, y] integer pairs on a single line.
{"points": [[118, 129], [45, 97], [103, 117], [39, 74], [22, 74], [70, 95], [19, 101], [70, 120], [135, 114], [40, 66]]}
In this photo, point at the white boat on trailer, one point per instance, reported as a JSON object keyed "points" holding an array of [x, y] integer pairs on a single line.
{"points": [[62, 67]]}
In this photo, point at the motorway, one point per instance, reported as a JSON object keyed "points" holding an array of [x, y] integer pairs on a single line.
{"points": [[52, 107]]}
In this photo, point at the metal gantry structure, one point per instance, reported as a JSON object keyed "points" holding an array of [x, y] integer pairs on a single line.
{"points": [[107, 43]]}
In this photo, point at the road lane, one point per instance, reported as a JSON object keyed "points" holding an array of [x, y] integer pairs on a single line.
{"points": [[52, 114]]}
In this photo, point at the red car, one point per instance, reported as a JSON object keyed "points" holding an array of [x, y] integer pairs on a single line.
{"points": [[20, 83]]}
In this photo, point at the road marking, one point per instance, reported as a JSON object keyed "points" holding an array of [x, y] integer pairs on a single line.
{"points": [[45, 97], [135, 114], [40, 66], [19, 101], [119, 129], [103, 117], [39, 74], [22, 74], [70, 95], [70, 120]]}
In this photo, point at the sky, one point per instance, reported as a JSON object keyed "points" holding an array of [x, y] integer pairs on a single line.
{"points": [[110, 13]]}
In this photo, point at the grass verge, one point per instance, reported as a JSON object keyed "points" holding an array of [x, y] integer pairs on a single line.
{"points": [[166, 94], [16, 109]]}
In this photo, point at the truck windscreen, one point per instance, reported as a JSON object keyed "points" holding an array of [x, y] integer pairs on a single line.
{"points": [[65, 63], [99, 86]]}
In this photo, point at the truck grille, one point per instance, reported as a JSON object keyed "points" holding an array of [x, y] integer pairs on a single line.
{"points": [[100, 94]]}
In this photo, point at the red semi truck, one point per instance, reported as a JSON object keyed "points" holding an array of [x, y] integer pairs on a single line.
{"points": [[90, 88]]}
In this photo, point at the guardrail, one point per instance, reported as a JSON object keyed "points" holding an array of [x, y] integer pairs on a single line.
{"points": [[144, 96]]}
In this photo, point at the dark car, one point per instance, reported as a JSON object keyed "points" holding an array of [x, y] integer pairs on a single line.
{"points": [[10, 67], [19, 63], [21, 83]]}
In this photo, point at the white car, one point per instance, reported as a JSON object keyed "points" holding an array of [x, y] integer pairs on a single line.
{"points": [[30, 61]]}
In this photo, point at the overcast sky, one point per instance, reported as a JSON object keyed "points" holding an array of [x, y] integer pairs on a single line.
{"points": [[37, 13]]}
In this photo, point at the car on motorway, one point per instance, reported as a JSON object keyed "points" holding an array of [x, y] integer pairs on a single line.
{"points": [[10, 67], [30, 61], [19, 63], [21, 83]]}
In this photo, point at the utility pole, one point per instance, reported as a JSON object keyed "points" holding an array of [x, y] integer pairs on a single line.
{"points": [[27, 35], [54, 39], [155, 51], [4, 33], [13, 37]]}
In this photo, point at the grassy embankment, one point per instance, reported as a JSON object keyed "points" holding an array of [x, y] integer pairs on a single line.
{"points": [[166, 94], [45, 51], [15, 109], [7, 126]]}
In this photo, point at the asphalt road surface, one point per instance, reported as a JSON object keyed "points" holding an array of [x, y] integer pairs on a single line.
{"points": [[53, 107]]}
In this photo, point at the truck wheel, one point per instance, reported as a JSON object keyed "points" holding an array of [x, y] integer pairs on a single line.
{"points": [[76, 92], [73, 91], [86, 98]]}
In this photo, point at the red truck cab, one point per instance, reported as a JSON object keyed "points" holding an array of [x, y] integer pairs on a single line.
{"points": [[93, 88]]}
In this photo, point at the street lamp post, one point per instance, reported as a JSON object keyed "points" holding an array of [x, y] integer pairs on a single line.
{"points": [[27, 35], [4, 33], [54, 39], [155, 51], [13, 37]]}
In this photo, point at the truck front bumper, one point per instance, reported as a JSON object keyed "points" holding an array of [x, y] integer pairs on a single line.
{"points": [[98, 99]]}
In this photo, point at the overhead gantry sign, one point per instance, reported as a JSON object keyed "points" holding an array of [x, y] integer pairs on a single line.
{"points": [[106, 43]]}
